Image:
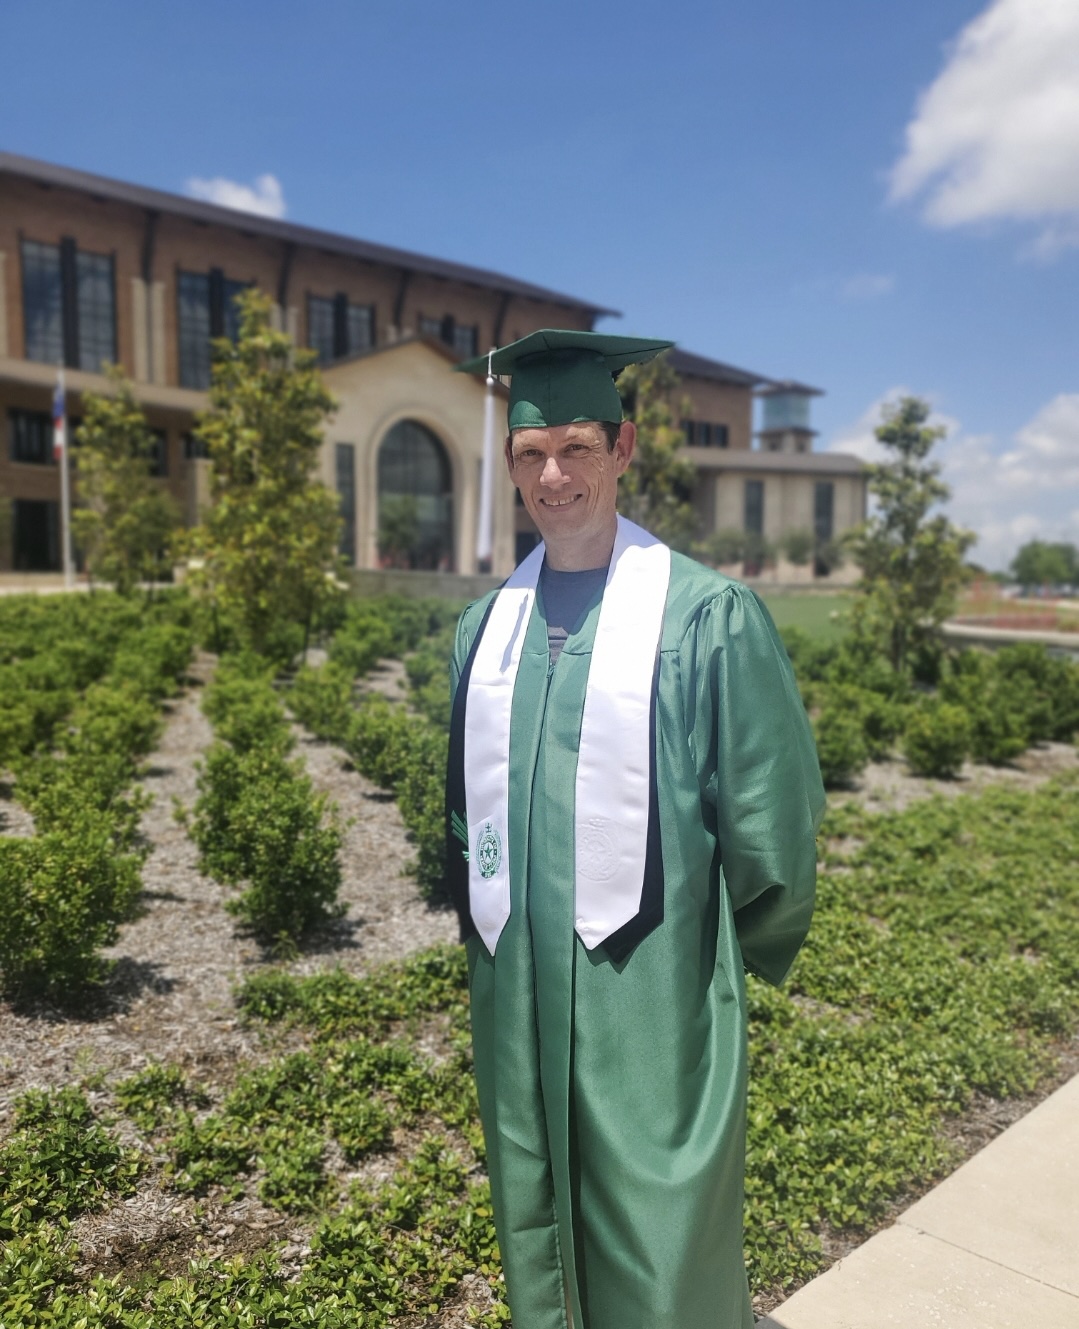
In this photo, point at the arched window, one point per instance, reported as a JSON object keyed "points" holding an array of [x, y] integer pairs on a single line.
{"points": [[415, 500]]}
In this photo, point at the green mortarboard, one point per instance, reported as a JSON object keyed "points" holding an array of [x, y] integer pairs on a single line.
{"points": [[559, 376]]}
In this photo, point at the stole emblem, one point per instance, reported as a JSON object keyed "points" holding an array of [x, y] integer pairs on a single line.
{"points": [[488, 851], [597, 858]]}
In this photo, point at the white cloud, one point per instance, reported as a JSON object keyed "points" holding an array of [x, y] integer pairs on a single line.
{"points": [[867, 286], [265, 199], [997, 134], [1009, 491]]}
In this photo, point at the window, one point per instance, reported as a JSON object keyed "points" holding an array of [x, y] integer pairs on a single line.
{"points": [[206, 308], [415, 499], [754, 507], [159, 454], [320, 328], [97, 310], [69, 305], [336, 328], [195, 448], [30, 437], [462, 338], [703, 434], [345, 455], [464, 342], [823, 511], [36, 535], [43, 303], [193, 297]]}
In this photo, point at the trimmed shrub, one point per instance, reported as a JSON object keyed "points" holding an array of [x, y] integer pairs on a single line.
{"points": [[379, 739], [937, 739], [1044, 686], [998, 726], [62, 896], [841, 745], [321, 700], [258, 821]]}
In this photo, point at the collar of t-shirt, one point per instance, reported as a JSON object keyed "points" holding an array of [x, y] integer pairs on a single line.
{"points": [[567, 599]]}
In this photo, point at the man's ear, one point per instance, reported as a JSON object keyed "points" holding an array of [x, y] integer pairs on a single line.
{"points": [[508, 450], [625, 444]]}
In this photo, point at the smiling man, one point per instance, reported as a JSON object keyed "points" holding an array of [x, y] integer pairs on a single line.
{"points": [[632, 801]]}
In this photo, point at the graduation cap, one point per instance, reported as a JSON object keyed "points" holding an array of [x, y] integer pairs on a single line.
{"points": [[560, 376]]}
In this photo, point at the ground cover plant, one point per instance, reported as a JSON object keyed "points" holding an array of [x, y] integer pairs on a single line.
{"points": [[942, 964]]}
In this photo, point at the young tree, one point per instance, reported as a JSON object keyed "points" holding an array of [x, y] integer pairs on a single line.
{"points": [[911, 562], [656, 490], [266, 550], [398, 529], [127, 519], [1040, 564]]}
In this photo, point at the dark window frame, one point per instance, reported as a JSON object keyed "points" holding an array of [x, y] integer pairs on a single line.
{"points": [[23, 425], [70, 348], [753, 507], [340, 343], [223, 319]]}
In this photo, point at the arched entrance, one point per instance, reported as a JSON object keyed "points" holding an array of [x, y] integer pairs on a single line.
{"points": [[415, 500]]}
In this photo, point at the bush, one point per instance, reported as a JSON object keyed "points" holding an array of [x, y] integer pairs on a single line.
{"points": [[421, 797], [321, 700], [62, 896], [841, 745], [258, 822], [937, 739], [1044, 686], [379, 739], [998, 725]]}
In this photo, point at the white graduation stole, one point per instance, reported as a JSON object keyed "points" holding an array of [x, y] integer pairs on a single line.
{"points": [[613, 764]]}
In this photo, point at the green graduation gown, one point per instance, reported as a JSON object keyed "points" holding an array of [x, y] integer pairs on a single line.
{"points": [[613, 1094]]}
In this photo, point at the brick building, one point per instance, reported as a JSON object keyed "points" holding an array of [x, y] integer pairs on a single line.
{"points": [[94, 270]]}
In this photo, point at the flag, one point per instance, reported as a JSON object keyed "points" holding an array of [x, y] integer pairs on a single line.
{"points": [[59, 420]]}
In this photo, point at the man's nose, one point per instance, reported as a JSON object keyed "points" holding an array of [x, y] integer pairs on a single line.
{"points": [[551, 475]]}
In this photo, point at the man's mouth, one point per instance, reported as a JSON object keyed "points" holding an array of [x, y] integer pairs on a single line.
{"points": [[559, 502]]}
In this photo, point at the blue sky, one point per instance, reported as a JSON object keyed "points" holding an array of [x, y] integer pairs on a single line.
{"points": [[871, 198]]}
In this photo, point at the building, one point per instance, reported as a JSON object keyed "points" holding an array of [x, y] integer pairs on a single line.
{"points": [[95, 270]]}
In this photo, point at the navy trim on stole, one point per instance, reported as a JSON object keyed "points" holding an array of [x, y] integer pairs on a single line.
{"points": [[456, 852], [650, 915]]}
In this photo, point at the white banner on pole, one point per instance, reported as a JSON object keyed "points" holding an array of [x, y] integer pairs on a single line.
{"points": [[485, 525]]}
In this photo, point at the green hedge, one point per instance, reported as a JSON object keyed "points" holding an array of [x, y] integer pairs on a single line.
{"points": [[65, 891], [258, 822]]}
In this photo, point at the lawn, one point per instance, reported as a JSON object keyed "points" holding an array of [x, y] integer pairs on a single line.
{"points": [[822, 616]]}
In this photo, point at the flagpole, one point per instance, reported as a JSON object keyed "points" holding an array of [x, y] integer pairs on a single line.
{"points": [[60, 447], [484, 527]]}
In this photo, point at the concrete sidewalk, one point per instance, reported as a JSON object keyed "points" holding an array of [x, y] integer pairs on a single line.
{"points": [[995, 1246]]}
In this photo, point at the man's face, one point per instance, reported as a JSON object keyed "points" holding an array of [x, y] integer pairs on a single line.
{"points": [[569, 483]]}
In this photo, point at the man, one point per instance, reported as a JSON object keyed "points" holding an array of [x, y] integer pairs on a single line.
{"points": [[632, 801]]}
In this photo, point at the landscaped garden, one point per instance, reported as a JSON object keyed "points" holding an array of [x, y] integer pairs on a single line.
{"points": [[225, 1103]]}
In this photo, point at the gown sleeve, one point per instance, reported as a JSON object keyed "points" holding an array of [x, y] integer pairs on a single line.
{"points": [[757, 764]]}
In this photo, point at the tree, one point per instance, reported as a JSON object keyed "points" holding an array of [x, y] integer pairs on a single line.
{"points": [[398, 529], [656, 489], [911, 562], [127, 519], [798, 546], [1040, 564], [267, 548]]}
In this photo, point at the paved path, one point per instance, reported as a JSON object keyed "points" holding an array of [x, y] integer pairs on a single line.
{"points": [[995, 1246]]}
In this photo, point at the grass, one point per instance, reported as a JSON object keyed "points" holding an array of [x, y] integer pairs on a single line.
{"points": [[822, 616]]}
